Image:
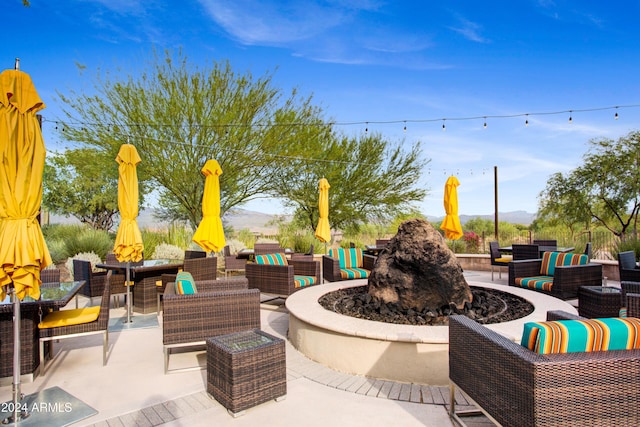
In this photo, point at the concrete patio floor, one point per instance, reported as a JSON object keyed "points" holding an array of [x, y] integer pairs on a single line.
{"points": [[132, 389]]}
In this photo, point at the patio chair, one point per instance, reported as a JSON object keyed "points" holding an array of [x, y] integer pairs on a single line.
{"points": [[274, 274], [118, 278], [267, 248], [200, 269], [520, 251], [627, 267], [588, 250], [94, 280], [345, 264], [50, 276], [546, 242], [219, 307], [232, 262], [497, 259], [515, 386], [77, 322], [556, 273], [309, 254], [194, 254]]}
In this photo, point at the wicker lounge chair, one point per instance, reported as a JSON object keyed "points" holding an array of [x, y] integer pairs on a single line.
{"points": [[200, 269], [566, 279], [514, 386], [219, 307], [267, 248], [72, 327], [331, 266], [280, 280]]}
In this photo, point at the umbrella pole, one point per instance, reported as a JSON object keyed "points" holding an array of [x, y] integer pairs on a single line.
{"points": [[18, 413], [128, 279]]}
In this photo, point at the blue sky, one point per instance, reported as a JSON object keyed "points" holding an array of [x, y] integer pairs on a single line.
{"points": [[380, 61]]}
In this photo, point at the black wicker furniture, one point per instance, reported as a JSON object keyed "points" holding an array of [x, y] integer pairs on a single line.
{"points": [[280, 280], [497, 259], [94, 281], [77, 322], [523, 251], [599, 301], [566, 279], [245, 369], [514, 386], [627, 267], [219, 307], [232, 262], [333, 267]]}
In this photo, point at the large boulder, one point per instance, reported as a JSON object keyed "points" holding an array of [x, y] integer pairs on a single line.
{"points": [[418, 271]]}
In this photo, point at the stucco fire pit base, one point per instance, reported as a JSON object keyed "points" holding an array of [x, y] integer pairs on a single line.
{"points": [[404, 353]]}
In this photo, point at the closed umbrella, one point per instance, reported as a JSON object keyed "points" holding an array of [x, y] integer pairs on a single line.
{"points": [[451, 224], [23, 251], [323, 230], [210, 233], [128, 245]]}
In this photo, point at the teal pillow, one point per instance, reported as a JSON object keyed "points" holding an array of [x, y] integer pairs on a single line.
{"points": [[185, 285]]}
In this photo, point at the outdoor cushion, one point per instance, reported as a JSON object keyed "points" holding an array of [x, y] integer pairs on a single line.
{"points": [[76, 316], [272, 259], [354, 273], [347, 257], [544, 283], [185, 285], [506, 258], [302, 281], [568, 336], [550, 260]]}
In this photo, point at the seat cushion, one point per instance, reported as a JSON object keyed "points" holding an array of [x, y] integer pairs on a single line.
{"points": [[272, 259], [504, 259], [347, 257], [303, 281], [567, 336], [354, 273], [543, 283], [76, 316], [185, 285], [551, 260]]}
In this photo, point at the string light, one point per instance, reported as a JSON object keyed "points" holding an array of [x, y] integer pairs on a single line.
{"points": [[443, 126], [485, 122], [405, 127], [615, 116], [570, 117], [526, 122]]}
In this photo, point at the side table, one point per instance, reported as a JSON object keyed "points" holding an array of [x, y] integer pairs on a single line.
{"points": [[599, 301], [245, 369]]}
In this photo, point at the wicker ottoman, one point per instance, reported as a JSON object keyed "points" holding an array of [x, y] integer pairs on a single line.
{"points": [[599, 301], [245, 369]]}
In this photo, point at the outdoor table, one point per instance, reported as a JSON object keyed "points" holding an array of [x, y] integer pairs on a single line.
{"points": [[144, 277], [373, 249], [599, 301], [53, 296], [245, 369]]}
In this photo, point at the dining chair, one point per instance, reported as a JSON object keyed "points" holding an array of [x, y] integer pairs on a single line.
{"points": [[77, 322], [521, 252], [50, 276], [82, 270], [118, 278], [232, 262], [497, 259]]}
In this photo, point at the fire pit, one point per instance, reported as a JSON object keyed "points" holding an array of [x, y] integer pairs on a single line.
{"points": [[398, 352]]}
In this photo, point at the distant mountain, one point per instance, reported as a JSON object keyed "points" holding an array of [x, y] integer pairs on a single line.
{"points": [[515, 217], [263, 223]]}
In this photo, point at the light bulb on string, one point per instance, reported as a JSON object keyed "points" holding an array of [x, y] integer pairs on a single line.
{"points": [[443, 125], [485, 123], [615, 116], [366, 129], [570, 116], [526, 122], [405, 127]]}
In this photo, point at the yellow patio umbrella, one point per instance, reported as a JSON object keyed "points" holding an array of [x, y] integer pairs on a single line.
{"points": [[451, 223], [210, 233], [23, 251], [128, 245], [323, 230]]}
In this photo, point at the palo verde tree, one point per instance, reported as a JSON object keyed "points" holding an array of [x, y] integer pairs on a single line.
{"points": [[371, 180], [179, 116], [82, 183], [604, 190]]}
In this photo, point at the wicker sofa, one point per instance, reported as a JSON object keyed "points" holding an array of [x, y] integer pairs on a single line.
{"points": [[219, 307], [281, 280], [566, 279], [514, 386], [334, 267]]}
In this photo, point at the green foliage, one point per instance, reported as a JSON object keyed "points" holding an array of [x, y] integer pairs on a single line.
{"points": [[371, 179], [168, 251], [57, 250], [604, 190], [246, 237], [90, 240], [82, 183], [179, 235], [629, 244]]}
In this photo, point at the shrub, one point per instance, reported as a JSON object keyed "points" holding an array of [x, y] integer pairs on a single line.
{"points": [[89, 240], [167, 251], [92, 257], [630, 244], [58, 250], [472, 242]]}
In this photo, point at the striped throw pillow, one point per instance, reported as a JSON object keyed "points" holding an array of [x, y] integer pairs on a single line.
{"points": [[347, 257], [185, 285], [551, 260]]}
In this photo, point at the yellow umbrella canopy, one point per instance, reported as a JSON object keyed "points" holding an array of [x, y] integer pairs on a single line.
{"points": [[451, 224], [23, 251], [323, 230], [128, 245], [210, 233]]}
